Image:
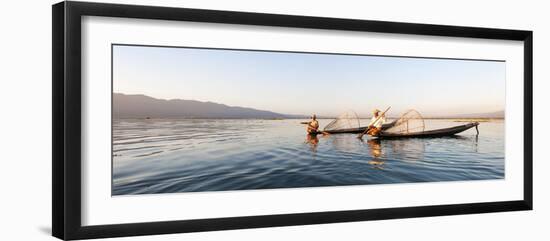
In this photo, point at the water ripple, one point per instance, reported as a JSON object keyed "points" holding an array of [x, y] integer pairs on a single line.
{"points": [[167, 156]]}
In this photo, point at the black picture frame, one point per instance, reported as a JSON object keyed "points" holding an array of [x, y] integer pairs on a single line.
{"points": [[66, 127]]}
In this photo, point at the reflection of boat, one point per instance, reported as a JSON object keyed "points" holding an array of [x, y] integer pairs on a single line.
{"points": [[431, 133], [352, 130]]}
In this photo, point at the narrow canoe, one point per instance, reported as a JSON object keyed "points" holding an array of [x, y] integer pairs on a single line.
{"points": [[431, 133], [352, 130]]}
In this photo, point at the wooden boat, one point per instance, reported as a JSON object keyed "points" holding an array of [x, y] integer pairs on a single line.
{"points": [[351, 130], [431, 133]]}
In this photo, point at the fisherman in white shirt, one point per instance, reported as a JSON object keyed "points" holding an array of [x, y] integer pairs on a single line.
{"points": [[376, 122]]}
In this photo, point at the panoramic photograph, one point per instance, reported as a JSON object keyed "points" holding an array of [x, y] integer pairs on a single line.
{"points": [[202, 119]]}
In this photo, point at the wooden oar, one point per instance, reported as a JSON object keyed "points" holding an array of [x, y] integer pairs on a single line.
{"points": [[360, 136], [323, 132]]}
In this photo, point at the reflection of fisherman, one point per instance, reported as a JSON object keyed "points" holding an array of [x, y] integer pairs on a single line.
{"points": [[376, 122], [313, 125], [375, 148], [376, 152], [313, 140]]}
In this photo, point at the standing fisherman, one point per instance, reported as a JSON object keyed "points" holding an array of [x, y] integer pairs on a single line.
{"points": [[376, 122]]}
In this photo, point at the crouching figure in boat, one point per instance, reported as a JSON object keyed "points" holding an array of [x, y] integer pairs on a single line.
{"points": [[313, 125]]}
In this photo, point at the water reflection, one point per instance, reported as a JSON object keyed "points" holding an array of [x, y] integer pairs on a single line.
{"points": [[375, 149], [410, 150], [345, 143], [167, 156], [476, 140], [313, 141]]}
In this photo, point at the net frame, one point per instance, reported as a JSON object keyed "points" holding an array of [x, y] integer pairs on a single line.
{"points": [[403, 126], [346, 120]]}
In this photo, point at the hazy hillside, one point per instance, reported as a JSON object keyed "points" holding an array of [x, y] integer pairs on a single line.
{"points": [[142, 106]]}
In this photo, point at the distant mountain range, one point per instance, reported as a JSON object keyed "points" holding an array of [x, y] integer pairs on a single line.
{"points": [[142, 106]]}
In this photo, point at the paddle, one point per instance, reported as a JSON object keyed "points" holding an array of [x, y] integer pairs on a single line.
{"points": [[360, 136]]}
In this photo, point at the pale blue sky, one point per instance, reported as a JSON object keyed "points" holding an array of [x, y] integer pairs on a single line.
{"points": [[298, 83]]}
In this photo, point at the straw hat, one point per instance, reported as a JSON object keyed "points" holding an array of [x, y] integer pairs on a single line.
{"points": [[376, 111]]}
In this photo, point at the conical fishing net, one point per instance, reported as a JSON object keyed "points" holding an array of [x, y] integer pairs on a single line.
{"points": [[409, 122], [346, 120]]}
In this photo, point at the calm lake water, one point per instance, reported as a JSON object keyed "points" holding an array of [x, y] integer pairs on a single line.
{"points": [[184, 155]]}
